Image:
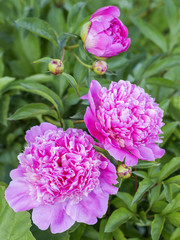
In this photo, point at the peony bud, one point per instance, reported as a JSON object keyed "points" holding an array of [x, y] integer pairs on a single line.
{"points": [[100, 67], [124, 171], [56, 66], [84, 31]]}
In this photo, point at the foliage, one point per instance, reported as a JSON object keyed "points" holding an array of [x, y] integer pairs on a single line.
{"points": [[147, 205]]}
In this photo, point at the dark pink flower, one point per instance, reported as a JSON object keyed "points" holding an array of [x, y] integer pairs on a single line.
{"points": [[62, 178], [105, 35], [126, 120]]}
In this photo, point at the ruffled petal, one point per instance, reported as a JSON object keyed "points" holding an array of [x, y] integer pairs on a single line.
{"points": [[87, 210], [131, 160], [157, 151], [93, 95], [60, 220], [90, 121], [109, 10], [17, 196], [117, 153], [38, 131], [18, 172], [107, 178], [42, 216]]}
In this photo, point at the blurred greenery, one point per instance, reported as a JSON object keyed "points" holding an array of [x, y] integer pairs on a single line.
{"points": [[29, 95]]}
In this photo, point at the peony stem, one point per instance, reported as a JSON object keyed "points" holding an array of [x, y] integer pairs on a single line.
{"points": [[72, 47], [79, 60], [78, 121], [63, 54]]}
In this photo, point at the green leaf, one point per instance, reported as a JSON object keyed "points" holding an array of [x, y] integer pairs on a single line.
{"points": [[72, 18], [154, 194], [45, 60], [158, 206], [144, 186], [146, 164], [173, 206], [40, 78], [33, 110], [127, 200], [157, 227], [168, 192], [39, 27], [45, 92], [4, 107], [174, 108], [162, 65], [174, 218], [140, 174], [116, 63], [164, 105], [169, 168], [31, 46], [1, 64], [118, 235], [71, 81], [162, 82], [175, 179], [168, 130], [5, 81], [117, 218], [103, 235], [13, 226], [171, 14], [176, 234], [144, 66], [151, 33], [28, 236]]}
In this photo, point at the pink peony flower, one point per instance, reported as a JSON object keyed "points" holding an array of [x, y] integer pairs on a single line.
{"points": [[126, 120], [62, 178], [105, 35]]}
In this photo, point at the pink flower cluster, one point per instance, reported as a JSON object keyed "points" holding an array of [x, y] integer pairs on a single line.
{"points": [[62, 178], [126, 120], [107, 35]]}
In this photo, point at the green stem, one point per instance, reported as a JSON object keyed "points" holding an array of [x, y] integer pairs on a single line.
{"points": [[79, 60], [72, 47]]}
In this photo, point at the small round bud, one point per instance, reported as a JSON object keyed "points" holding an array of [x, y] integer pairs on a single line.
{"points": [[85, 30], [100, 67], [124, 171], [56, 66]]}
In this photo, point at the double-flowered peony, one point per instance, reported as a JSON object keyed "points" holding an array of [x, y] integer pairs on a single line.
{"points": [[105, 35], [62, 178], [126, 120]]}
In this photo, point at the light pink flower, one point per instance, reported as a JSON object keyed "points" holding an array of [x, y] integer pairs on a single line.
{"points": [[107, 35], [126, 120], [62, 178]]}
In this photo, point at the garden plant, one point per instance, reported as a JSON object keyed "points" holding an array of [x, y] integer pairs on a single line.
{"points": [[89, 120]]}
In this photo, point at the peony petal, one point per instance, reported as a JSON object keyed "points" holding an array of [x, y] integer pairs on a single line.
{"points": [[146, 153], [87, 210], [18, 172], [90, 121], [38, 131], [93, 95], [97, 45], [107, 178], [17, 196], [60, 220], [42, 215], [131, 160], [117, 153], [109, 10], [157, 151]]}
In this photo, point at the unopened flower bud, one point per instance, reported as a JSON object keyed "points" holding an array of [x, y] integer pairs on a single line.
{"points": [[84, 31], [124, 171], [56, 66], [100, 67]]}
